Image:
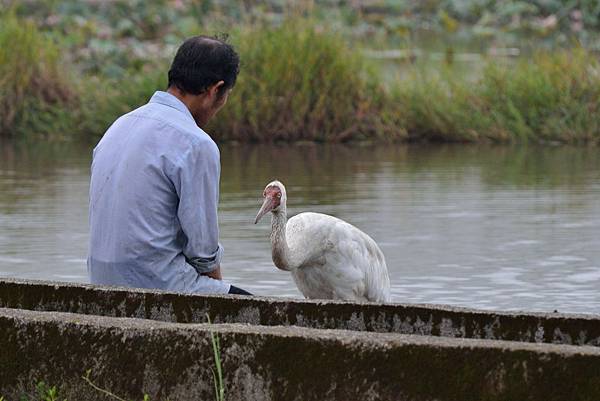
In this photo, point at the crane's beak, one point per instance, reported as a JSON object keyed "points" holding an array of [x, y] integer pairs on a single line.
{"points": [[267, 206]]}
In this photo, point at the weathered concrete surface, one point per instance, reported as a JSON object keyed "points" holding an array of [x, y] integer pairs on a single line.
{"points": [[169, 360], [398, 318]]}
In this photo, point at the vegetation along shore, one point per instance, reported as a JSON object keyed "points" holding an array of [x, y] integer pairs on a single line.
{"points": [[69, 68]]}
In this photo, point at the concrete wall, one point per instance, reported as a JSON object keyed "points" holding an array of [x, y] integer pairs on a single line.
{"points": [[172, 361], [397, 318]]}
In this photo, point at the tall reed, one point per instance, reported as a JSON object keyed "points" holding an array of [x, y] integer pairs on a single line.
{"points": [[548, 97], [299, 82], [34, 88]]}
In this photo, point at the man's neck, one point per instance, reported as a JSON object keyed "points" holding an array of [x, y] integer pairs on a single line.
{"points": [[182, 97], [190, 102]]}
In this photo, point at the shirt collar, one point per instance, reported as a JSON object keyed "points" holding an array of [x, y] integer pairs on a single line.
{"points": [[169, 100]]}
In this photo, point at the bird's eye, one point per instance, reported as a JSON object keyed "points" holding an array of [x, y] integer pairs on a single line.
{"points": [[279, 195]]}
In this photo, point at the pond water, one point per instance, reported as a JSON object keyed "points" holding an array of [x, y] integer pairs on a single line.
{"points": [[492, 227]]}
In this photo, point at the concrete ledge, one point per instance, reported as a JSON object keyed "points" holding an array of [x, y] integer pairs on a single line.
{"points": [[433, 320], [169, 360]]}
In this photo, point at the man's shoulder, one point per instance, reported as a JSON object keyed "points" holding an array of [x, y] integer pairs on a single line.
{"points": [[172, 125], [201, 146], [161, 116], [168, 131]]}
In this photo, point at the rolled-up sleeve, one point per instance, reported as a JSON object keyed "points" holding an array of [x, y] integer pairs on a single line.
{"points": [[197, 184]]}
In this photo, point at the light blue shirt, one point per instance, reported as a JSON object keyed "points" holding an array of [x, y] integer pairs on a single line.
{"points": [[153, 202]]}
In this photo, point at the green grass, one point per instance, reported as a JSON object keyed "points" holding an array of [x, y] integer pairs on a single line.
{"points": [[47, 393], [299, 83], [34, 92], [44, 393], [218, 375], [302, 82], [550, 97]]}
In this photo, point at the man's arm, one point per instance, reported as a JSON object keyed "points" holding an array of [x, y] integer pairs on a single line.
{"points": [[197, 185]]}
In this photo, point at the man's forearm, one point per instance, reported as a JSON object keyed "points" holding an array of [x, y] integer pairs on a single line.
{"points": [[207, 265], [216, 274]]}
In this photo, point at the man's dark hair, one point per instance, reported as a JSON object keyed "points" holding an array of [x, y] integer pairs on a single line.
{"points": [[202, 61]]}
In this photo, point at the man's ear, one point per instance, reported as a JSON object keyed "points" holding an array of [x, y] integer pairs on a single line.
{"points": [[215, 88]]}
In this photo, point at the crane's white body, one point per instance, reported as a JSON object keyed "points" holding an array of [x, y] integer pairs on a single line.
{"points": [[339, 260], [327, 257]]}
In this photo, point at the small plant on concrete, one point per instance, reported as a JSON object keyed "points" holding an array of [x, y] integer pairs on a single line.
{"points": [[89, 381], [218, 376], [47, 393]]}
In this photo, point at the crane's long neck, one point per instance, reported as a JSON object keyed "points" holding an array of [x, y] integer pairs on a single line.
{"points": [[280, 250]]}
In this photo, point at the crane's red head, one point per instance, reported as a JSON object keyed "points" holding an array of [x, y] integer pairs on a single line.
{"points": [[274, 195]]}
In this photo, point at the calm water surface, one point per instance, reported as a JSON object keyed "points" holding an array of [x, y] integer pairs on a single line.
{"points": [[485, 227]]}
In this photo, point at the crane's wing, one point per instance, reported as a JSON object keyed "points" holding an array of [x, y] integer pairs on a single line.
{"points": [[361, 255], [343, 262]]}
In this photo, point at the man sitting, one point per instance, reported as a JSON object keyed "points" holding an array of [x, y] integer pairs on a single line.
{"points": [[155, 182]]}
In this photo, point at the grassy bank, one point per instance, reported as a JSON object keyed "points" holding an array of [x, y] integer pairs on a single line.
{"points": [[34, 90], [298, 84], [550, 97], [300, 81]]}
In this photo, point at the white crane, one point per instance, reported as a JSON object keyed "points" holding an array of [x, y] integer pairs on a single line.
{"points": [[327, 257]]}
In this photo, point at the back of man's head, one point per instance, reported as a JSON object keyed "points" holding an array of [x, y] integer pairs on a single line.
{"points": [[202, 61]]}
